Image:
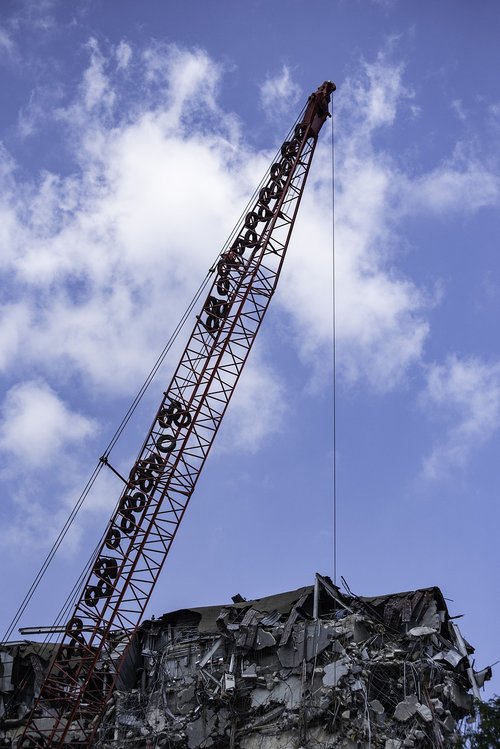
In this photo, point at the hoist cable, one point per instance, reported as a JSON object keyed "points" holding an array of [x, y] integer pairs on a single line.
{"points": [[125, 420], [334, 362]]}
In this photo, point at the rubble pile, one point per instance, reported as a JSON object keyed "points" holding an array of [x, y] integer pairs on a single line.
{"points": [[312, 667]]}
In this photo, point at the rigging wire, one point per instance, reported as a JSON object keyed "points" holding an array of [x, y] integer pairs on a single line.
{"points": [[73, 595], [95, 473]]}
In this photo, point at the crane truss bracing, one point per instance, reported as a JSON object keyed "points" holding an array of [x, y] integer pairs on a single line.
{"points": [[139, 535]]}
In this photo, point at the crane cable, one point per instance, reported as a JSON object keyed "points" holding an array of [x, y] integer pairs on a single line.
{"points": [[128, 415], [334, 361]]}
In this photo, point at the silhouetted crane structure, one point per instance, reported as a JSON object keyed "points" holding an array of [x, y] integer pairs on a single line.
{"points": [[126, 566]]}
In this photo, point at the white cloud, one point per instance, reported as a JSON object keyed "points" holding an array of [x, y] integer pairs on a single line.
{"points": [[382, 315], [33, 524], [15, 323], [466, 393], [27, 118], [257, 409], [95, 85], [494, 110], [7, 46], [457, 106], [185, 85], [123, 55], [460, 185], [102, 262], [279, 94], [373, 99], [36, 425]]}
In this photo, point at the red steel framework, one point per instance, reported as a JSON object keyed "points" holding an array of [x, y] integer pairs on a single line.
{"points": [[80, 680]]}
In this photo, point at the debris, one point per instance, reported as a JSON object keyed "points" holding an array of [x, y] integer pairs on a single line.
{"points": [[424, 712], [407, 708], [482, 676], [335, 671], [421, 631], [264, 639], [377, 707]]}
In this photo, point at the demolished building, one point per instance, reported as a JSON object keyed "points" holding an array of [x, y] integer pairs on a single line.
{"points": [[311, 667]]}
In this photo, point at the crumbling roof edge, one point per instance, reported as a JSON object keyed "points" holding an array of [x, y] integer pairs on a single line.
{"points": [[283, 603]]}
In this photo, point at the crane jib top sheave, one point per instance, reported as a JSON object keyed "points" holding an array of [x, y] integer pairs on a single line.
{"points": [[124, 570]]}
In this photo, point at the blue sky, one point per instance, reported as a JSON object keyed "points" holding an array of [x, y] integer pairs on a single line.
{"points": [[131, 136]]}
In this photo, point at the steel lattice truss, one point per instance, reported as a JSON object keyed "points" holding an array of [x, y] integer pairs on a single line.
{"points": [[140, 533]]}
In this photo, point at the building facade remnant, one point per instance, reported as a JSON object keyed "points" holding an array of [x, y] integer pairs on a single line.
{"points": [[311, 667]]}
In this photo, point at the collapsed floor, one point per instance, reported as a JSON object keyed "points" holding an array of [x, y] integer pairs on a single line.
{"points": [[311, 667]]}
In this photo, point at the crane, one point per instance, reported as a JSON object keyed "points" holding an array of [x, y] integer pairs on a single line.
{"points": [[124, 569]]}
